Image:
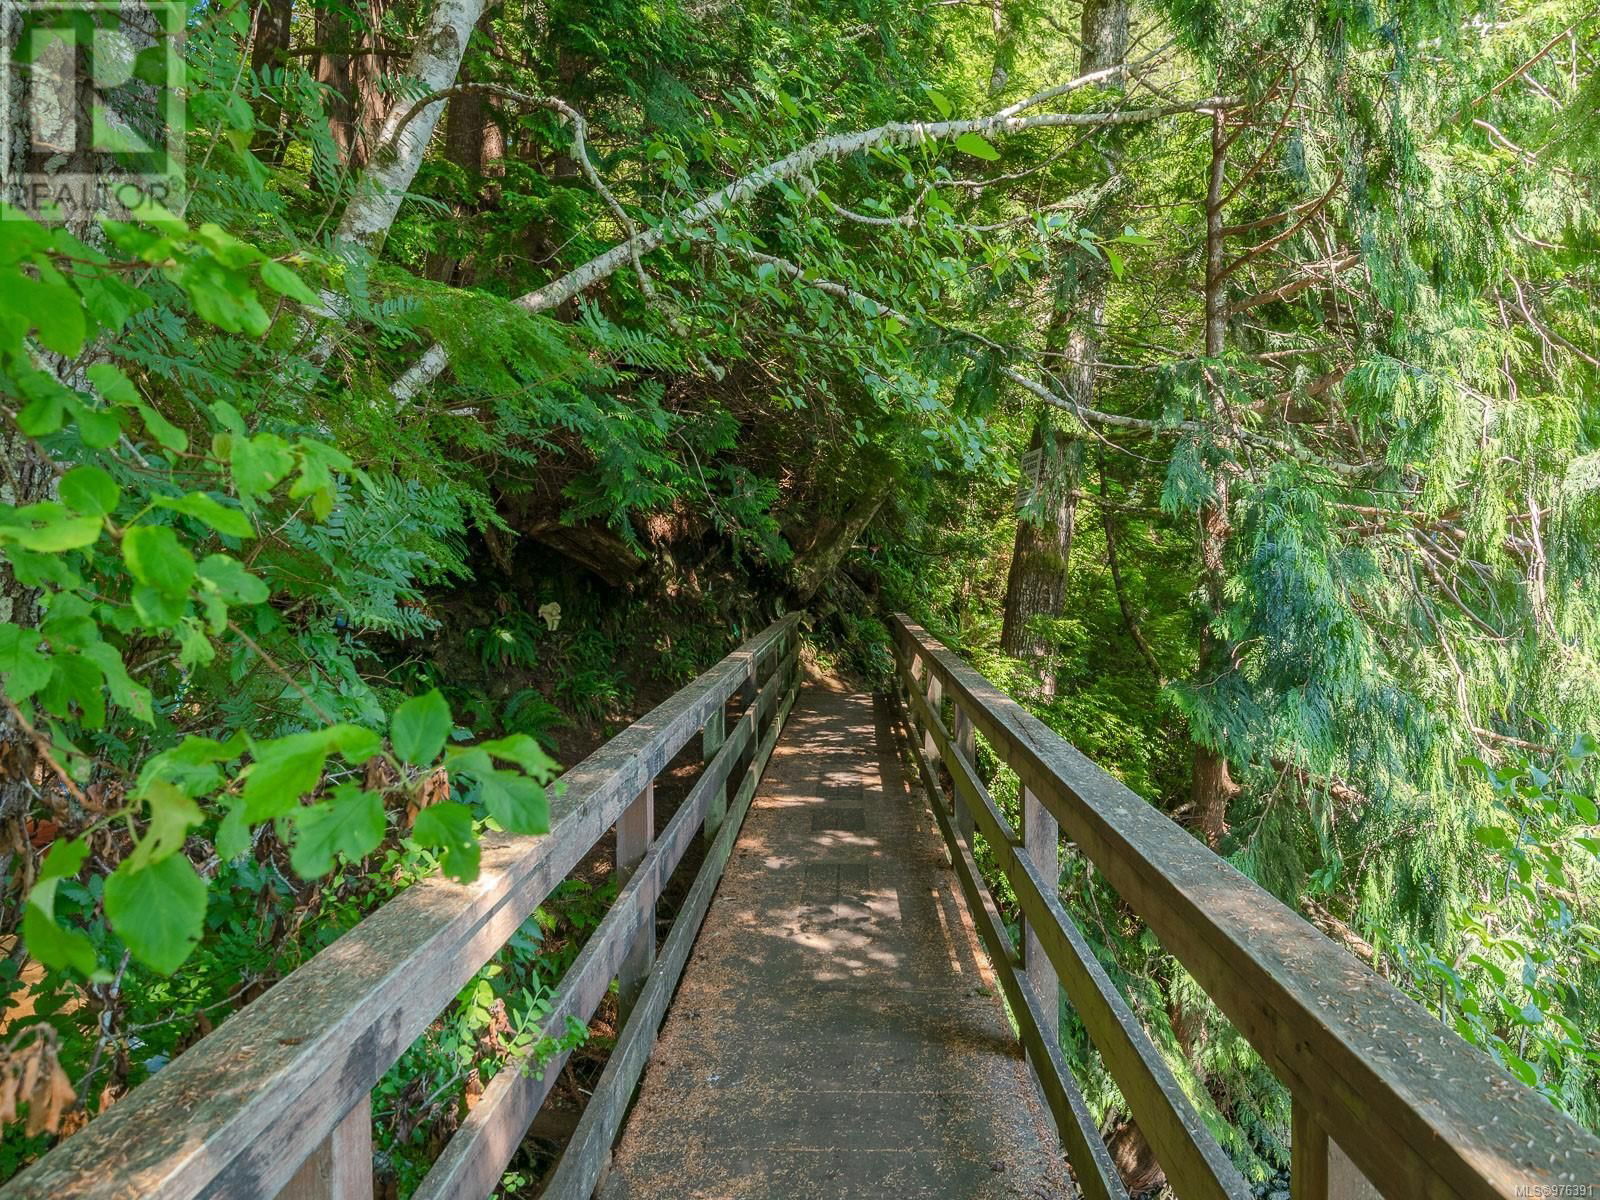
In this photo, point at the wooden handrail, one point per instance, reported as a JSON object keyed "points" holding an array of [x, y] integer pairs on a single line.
{"points": [[1413, 1107], [247, 1111]]}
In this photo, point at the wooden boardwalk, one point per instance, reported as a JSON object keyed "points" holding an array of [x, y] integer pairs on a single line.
{"points": [[837, 1032]]}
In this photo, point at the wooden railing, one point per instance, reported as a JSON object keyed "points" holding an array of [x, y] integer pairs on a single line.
{"points": [[1386, 1100], [276, 1100]]}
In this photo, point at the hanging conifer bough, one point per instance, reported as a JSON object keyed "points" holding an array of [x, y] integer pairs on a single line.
{"points": [[1222, 380]]}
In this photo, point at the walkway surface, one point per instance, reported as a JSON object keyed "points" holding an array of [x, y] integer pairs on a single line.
{"points": [[837, 1032]]}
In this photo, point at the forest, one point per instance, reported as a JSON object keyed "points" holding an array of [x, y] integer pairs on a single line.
{"points": [[1221, 380]]}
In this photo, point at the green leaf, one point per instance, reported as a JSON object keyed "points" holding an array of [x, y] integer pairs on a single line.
{"points": [[114, 385], [1588, 811], [515, 801], [90, 491], [284, 770], [447, 828], [941, 102], [419, 728], [977, 146], [134, 697], [350, 823], [158, 911], [48, 528], [64, 859], [286, 283], [259, 463], [1492, 836], [26, 669], [233, 834], [203, 508], [164, 431], [157, 559], [55, 945], [524, 751], [172, 815], [230, 578], [47, 940], [74, 680], [287, 768]]}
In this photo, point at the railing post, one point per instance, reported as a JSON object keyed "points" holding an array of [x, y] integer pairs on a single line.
{"points": [[1318, 1168], [967, 746], [1041, 842], [711, 739], [749, 693], [340, 1168], [635, 830], [934, 696]]}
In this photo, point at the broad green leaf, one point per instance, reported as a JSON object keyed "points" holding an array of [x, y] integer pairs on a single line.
{"points": [[25, 667], [259, 463], [284, 770], [55, 945], [524, 751], [287, 768], [158, 911], [113, 385], [977, 146], [172, 815], [156, 608], [90, 491], [75, 681], [157, 559], [215, 514], [64, 858], [447, 828], [49, 528], [233, 834], [515, 801], [164, 431], [134, 697], [286, 283], [419, 728], [350, 822], [230, 578]]}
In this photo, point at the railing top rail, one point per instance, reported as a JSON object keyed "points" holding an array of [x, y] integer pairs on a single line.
{"points": [[1420, 1111], [236, 1114]]}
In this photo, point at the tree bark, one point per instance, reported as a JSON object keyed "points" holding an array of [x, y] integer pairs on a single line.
{"points": [[1042, 548], [1212, 786], [268, 51], [356, 102], [1036, 583], [433, 67], [474, 142], [834, 539]]}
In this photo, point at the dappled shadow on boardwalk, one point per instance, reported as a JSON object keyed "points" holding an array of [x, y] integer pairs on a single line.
{"points": [[836, 1033]]}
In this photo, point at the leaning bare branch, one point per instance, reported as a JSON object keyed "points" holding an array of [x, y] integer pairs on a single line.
{"points": [[835, 146]]}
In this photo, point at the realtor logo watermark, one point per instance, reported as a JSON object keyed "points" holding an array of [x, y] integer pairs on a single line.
{"points": [[91, 106]]}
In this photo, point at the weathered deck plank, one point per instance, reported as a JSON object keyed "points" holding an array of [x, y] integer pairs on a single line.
{"points": [[837, 1032]]}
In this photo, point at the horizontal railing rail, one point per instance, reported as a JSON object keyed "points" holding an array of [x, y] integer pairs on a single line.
{"points": [[1386, 1099], [276, 1100]]}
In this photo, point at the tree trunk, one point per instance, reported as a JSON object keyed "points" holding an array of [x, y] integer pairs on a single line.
{"points": [[1041, 550], [350, 67], [1036, 584], [433, 67], [834, 537], [1212, 786], [268, 52], [474, 142]]}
